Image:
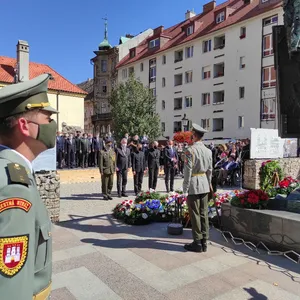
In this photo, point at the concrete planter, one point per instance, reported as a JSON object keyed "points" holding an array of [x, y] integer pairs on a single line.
{"points": [[279, 230]]}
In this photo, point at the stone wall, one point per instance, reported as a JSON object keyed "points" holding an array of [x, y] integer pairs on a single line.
{"points": [[48, 184], [290, 167]]}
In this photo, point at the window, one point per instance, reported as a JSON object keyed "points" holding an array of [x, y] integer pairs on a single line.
{"points": [[219, 42], [104, 89], [218, 97], [189, 51], [163, 104], [189, 77], [269, 77], [177, 103], [164, 59], [219, 70], [205, 123], [242, 92], [163, 126], [206, 72], [190, 30], [103, 66], [206, 46], [268, 109], [131, 70], [154, 43], [141, 67], [178, 56], [152, 70], [220, 17], [205, 99], [218, 124], [241, 121], [242, 62], [124, 73], [270, 20], [242, 32], [177, 126], [188, 102], [178, 79], [132, 53], [163, 82], [267, 45]]}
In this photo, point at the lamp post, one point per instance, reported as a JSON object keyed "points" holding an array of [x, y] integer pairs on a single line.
{"points": [[185, 122]]}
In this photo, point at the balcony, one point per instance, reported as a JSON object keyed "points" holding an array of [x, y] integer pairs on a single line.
{"points": [[101, 117], [218, 97], [219, 42], [178, 56], [177, 103], [219, 70]]}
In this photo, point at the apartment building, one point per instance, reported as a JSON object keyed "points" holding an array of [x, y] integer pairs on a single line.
{"points": [[215, 69]]}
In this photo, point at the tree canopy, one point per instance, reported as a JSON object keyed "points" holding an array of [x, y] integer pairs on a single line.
{"points": [[133, 110]]}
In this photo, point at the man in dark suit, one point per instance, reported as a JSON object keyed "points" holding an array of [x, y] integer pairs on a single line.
{"points": [[123, 164], [70, 147], [84, 149], [152, 163], [78, 150], [138, 167], [91, 155], [171, 163], [60, 148], [98, 146]]}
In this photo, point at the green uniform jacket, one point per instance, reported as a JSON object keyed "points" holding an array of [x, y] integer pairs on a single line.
{"points": [[197, 169], [107, 162], [25, 231]]}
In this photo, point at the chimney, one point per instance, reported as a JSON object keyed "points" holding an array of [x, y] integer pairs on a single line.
{"points": [[189, 14], [158, 30], [23, 60], [209, 6]]}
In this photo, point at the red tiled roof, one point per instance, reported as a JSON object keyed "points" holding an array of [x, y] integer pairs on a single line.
{"points": [[59, 83], [238, 12]]}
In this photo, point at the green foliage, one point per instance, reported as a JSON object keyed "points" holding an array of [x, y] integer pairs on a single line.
{"points": [[267, 175], [133, 110]]}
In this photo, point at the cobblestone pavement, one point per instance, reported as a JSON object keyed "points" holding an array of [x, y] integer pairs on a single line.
{"points": [[96, 257]]}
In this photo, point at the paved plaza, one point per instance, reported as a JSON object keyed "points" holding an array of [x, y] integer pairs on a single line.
{"points": [[96, 257]]}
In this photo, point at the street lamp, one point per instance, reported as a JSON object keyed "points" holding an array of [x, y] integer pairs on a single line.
{"points": [[185, 122]]}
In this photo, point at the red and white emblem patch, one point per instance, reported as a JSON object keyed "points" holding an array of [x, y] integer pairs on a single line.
{"points": [[13, 252]]}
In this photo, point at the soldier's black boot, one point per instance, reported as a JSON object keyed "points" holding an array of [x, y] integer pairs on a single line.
{"points": [[204, 245], [193, 247]]}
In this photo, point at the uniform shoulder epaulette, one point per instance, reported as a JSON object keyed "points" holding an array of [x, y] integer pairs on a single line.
{"points": [[17, 174]]}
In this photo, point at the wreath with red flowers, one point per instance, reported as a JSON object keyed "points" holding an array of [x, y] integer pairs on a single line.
{"points": [[256, 199]]}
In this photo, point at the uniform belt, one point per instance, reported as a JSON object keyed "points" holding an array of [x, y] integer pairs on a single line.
{"points": [[44, 294], [198, 174]]}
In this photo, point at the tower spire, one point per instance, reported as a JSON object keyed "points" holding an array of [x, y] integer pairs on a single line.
{"points": [[105, 44]]}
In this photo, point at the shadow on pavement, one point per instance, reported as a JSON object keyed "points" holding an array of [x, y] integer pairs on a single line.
{"points": [[255, 294]]}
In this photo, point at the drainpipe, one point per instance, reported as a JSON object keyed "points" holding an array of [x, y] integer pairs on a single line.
{"points": [[57, 108]]}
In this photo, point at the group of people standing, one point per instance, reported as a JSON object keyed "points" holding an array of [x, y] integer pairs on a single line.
{"points": [[141, 158]]}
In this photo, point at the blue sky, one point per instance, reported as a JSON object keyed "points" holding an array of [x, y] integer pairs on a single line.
{"points": [[64, 33]]}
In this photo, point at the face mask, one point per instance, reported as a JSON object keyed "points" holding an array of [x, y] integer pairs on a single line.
{"points": [[155, 147], [46, 133]]}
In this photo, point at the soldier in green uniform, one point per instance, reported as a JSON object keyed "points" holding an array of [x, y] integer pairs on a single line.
{"points": [[26, 130], [196, 186], [107, 166]]}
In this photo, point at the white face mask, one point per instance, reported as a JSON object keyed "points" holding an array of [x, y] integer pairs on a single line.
{"points": [[124, 145]]}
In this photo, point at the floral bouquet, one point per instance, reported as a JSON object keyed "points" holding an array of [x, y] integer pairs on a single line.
{"points": [[287, 185], [251, 199], [143, 196]]}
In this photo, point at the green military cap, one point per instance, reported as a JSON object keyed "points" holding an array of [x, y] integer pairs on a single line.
{"points": [[198, 128], [24, 96]]}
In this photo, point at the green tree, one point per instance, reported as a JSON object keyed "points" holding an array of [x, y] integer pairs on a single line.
{"points": [[133, 110]]}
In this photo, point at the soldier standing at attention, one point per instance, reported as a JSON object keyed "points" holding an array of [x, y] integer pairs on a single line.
{"points": [[107, 167], [197, 185], [26, 130]]}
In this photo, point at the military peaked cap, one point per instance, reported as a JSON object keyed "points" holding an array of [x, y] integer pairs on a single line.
{"points": [[24, 96], [198, 128]]}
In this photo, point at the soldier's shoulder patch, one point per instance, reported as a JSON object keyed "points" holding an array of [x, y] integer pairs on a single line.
{"points": [[18, 174], [18, 203], [13, 254]]}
